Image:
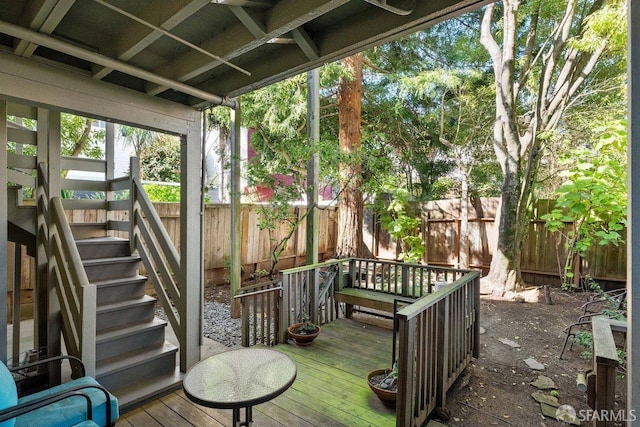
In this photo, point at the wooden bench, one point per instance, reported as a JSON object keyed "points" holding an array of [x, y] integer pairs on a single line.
{"points": [[367, 298]]}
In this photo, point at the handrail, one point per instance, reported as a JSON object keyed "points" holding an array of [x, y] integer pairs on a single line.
{"points": [[77, 297], [150, 240]]}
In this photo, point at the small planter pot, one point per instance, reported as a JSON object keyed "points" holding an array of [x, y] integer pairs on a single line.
{"points": [[386, 396], [302, 339]]}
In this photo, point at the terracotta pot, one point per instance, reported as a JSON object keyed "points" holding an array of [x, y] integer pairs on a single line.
{"points": [[302, 339], [387, 397]]}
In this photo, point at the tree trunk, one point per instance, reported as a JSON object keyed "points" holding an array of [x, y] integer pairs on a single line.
{"points": [[350, 205], [563, 71], [81, 143]]}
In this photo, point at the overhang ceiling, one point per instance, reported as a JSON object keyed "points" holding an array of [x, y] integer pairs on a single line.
{"points": [[205, 52]]}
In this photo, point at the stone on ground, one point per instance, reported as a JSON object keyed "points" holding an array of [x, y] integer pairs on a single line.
{"points": [[544, 383], [508, 342], [534, 364]]}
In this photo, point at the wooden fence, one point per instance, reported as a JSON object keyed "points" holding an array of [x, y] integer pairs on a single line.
{"points": [[542, 258], [543, 252]]}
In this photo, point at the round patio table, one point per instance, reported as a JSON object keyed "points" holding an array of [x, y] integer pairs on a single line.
{"points": [[239, 379]]}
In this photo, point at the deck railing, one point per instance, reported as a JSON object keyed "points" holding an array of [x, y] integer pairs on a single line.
{"points": [[307, 293], [76, 296], [397, 278], [260, 313], [438, 335]]}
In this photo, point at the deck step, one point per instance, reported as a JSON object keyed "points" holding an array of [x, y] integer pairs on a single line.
{"points": [[87, 230], [111, 268], [138, 365], [103, 247], [122, 313], [115, 341], [135, 394], [113, 290]]}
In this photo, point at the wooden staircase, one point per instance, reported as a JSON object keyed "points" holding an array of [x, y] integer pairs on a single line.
{"points": [[133, 358]]}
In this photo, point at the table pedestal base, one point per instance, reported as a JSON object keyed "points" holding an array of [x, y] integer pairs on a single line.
{"points": [[248, 417]]}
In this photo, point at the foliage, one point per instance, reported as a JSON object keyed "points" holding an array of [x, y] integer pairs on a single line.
{"points": [[396, 217], [594, 196], [307, 327], [162, 192], [140, 139], [389, 381], [78, 137], [160, 160], [550, 60]]}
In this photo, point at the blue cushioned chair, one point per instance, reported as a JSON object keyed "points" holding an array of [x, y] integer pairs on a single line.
{"points": [[79, 402]]}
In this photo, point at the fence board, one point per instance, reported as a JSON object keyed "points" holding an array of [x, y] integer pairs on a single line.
{"points": [[543, 253]]}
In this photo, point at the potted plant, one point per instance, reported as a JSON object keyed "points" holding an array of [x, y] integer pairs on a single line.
{"points": [[303, 333], [384, 383]]}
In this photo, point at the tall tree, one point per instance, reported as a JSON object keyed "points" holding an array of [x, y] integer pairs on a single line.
{"points": [[350, 205], [543, 61]]}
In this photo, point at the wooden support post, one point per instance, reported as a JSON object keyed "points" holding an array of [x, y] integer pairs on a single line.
{"points": [[54, 324], [191, 263], [41, 296], [3, 232], [110, 156], [633, 214], [313, 120], [236, 223]]}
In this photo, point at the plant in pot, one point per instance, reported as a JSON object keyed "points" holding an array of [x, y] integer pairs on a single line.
{"points": [[303, 333], [384, 383]]}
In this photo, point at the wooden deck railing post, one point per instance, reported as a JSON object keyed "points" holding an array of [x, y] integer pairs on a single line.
{"points": [[475, 287], [285, 309], [442, 370], [406, 371], [405, 280]]}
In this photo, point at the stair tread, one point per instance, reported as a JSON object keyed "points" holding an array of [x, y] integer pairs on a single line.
{"points": [[116, 332], [110, 260], [150, 388], [119, 281], [132, 358], [101, 240], [146, 299]]}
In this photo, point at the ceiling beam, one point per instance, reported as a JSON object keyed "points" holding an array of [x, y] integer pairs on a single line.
{"points": [[372, 27], [257, 4], [250, 20], [43, 16], [136, 37], [305, 43], [87, 55], [33, 83], [285, 16]]}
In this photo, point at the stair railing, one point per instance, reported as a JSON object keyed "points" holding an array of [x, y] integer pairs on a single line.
{"points": [[77, 297], [149, 239]]}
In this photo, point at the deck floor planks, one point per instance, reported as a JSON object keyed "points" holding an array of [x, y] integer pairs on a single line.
{"points": [[330, 388]]}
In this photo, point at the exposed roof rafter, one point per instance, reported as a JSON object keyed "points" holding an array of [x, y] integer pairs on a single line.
{"points": [[43, 16]]}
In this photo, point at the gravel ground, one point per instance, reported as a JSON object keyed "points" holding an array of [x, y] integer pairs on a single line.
{"points": [[217, 323]]}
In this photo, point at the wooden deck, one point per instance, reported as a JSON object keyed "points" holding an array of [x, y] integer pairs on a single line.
{"points": [[330, 388]]}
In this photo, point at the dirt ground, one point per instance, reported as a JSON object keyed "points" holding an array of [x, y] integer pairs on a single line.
{"points": [[496, 388]]}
